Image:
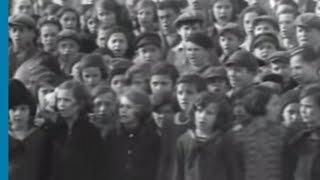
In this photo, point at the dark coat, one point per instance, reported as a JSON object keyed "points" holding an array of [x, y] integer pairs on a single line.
{"points": [[134, 155], [78, 154]]}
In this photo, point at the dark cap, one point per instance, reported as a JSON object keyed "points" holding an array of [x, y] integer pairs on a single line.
{"points": [[268, 19], [279, 56], [200, 39], [22, 20], [232, 28], [188, 16], [244, 59], [308, 20], [269, 37], [214, 72], [68, 34], [148, 38]]}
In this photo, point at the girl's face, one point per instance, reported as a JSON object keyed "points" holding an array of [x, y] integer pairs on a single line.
{"points": [[185, 95], [140, 81], [248, 22], [291, 114], [146, 16], [92, 25], [69, 20], [19, 117], [66, 103], [164, 113], [229, 43], [127, 111], [310, 110], [118, 83], [206, 117], [68, 47], [196, 55], [91, 76], [49, 34], [118, 44], [42, 92], [106, 17], [263, 50], [222, 11]]}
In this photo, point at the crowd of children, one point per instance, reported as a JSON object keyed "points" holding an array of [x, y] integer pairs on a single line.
{"points": [[164, 90]]}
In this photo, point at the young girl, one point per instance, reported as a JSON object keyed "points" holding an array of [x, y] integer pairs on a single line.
{"points": [[223, 13], [92, 70], [117, 75], [107, 12], [146, 17], [29, 147], [69, 19], [89, 31], [135, 143], [199, 152]]}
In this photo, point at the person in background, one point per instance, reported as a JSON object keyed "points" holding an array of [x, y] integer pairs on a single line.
{"points": [[146, 17], [117, 75], [265, 24], [138, 77], [69, 19], [49, 30], [223, 12], [216, 80]]}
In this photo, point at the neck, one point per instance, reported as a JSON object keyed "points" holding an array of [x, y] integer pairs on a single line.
{"points": [[203, 133]]}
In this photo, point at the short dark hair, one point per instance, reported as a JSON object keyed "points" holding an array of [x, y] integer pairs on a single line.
{"points": [[194, 80], [93, 60], [163, 68], [169, 5]]}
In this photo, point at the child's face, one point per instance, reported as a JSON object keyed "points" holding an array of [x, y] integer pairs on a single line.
{"points": [[92, 25], [127, 111], [118, 83], [91, 76], [286, 25], [310, 110], [317, 9], [161, 83], [217, 85], [21, 36], [185, 95], [145, 16], [264, 27], [185, 30], [67, 105], [248, 22], [75, 71], [140, 81], [69, 20], [239, 76], [42, 92], [150, 53], [303, 73], [102, 39], [307, 35], [104, 104], [196, 55], [19, 117], [222, 11], [229, 43], [239, 111], [263, 50], [118, 44], [280, 69], [206, 117], [68, 47], [49, 34], [166, 19], [23, 6], [164, 113], [106, 17], [291, 114]]}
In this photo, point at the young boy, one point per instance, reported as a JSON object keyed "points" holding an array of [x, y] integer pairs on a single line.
{"points": [[230, 38], [216, 80], [49, 30], [265, 24], [163, 77]]}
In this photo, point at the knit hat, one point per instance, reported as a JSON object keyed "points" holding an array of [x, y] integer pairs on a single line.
{"points": [[22, 20], [279, 56], [308, 20], [244, 59], [200, 39], [148, 38], [268, 19], [68, 34], [19, 95], [265, 37]]}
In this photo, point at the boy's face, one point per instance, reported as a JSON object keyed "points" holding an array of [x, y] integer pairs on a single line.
{"points": [[49, 34], [291, 114], [263, 50], [286, 25], [307, 35], [310, 110], [23, 6], [68, 47], [127, 111], [105, 106], [102, 39], [106, 17], [92, 25], [150, 53], [19, 117], [21, 36], [140, 81], [42, 92], [248, 22], [185, 30], [91, 76], [145, 16], [166, 18], [196, 55], [66, 104], [229, 43], [281, 69], [217, 85], [164, 113], [264, 27], [239, 76], [302, 72], [118, 44], [222, 11], [69, 21], [185, 95], [118, 83], [205, 118], [161, 83]]}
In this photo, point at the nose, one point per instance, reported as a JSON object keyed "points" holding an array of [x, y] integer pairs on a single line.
{"points": [[102, 109]]}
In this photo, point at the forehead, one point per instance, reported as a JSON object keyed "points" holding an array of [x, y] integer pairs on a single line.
{"points": [[125, 100], [191, 25], [297, 60], [91, 70], [307, 100], [286, 16], [264, 24], [68, 41], [69, 14], [189, 44], [148, 47], [264, 43], [117, 35], [184, 86], [105, 97], [165, 11], [65, 93], [160, 77], [49, 27], [222, 2]]}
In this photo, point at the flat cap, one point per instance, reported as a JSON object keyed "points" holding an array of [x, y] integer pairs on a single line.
{"points": [[188, 16], [308, 20], [68, 34], [214, 72], [268, 19], [232, 28], [265, 37], [279, 56], [22, 20], [148, 38], [243, 58]]}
